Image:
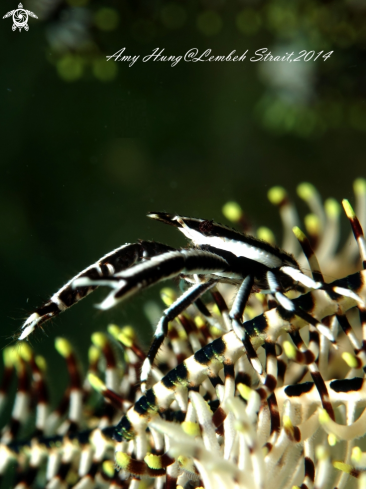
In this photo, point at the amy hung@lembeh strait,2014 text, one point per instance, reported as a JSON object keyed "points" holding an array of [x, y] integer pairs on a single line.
{"points": [[193, 55]]}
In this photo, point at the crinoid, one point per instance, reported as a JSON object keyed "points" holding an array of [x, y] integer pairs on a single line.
{"points": [[265, 394]]}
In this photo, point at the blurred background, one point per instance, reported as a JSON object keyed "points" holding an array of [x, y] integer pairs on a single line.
{"points": [[89, 147]]}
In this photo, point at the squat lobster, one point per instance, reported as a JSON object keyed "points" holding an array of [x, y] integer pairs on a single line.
{"points": [[221, 254]]}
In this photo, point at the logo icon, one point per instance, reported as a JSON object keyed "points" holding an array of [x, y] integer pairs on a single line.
{"points": [[20, 17]]}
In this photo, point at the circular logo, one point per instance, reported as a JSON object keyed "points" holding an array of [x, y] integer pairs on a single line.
{"points": [[20, 18]]}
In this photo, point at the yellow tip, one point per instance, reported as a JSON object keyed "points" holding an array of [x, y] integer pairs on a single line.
{"points": [[260, 297], [305, 191], [250, 312], [122, 459], [356, 454], [125, 340], [12, 357], [182, 334], [99, 339], [199, 321], [350, 359], [96, 383], [265, 451], [168, 296], [292, 294], [108, 468], [41, 363], [324, 417], [241, 426], [276, 195], [321, 452], [8, 357], [153, 461], [359, 186], [287, 422], [332, 208], [192, 429], [312, 224], [113, 330], [298, 233], [350, 213], [215, 331], [290, 350], [15, 358], [93, 354], [342, 466], [216, 310], [232, 211], [25, 351], [332, 440], [186, 463], [63, 347], [244, 391], [144, 484], [129, 331], [266, 234]]}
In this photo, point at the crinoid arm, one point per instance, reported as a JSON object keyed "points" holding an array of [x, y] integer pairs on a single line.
{"points": [[262, 329], [261, 402]]}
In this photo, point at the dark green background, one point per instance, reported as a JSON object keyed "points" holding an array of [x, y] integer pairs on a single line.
{"points": [[83, 161]]}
